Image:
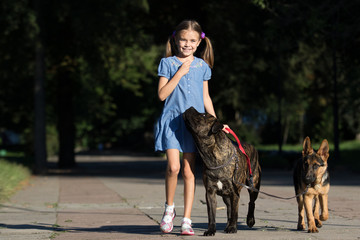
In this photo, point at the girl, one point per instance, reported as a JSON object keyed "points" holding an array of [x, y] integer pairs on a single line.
{"points": [[183, 83]]}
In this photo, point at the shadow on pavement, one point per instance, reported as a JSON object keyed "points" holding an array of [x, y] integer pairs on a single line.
{"points": [[129, 229]]}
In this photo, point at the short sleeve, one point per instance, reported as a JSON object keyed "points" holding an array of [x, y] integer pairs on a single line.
{"points": [[207, 72], [164, 69]]}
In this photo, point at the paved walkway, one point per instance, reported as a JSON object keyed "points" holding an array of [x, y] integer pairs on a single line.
{"points": [[122, 197]]}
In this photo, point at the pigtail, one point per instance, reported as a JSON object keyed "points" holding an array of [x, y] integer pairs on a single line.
{"points": [[208, 54], [171, 49], [168, 52]]}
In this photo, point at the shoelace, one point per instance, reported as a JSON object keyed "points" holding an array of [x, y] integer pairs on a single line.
{"points": [[168, 216], [186, 225]]}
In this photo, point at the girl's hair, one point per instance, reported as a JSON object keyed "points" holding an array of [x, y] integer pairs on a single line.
{"points": [[207, 54]]}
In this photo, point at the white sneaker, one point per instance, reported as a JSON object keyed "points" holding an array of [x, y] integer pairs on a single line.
{"points": [[186, 228], [166, 225]]}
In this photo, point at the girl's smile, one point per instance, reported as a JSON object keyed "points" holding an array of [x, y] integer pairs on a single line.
{"points": [[187, 43]]}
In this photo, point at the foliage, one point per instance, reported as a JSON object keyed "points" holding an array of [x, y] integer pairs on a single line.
{"points": [[111, 66], [16, 65], [279, 63], [52, 142], [273, 79]]}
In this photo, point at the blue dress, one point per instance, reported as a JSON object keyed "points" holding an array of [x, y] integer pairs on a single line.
{"points": [[170, 130]]}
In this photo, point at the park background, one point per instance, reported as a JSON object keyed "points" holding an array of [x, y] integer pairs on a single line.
{"points": [[81, 76]]}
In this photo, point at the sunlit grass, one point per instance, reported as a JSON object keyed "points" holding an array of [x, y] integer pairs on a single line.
{"points": [[349, 155], [350, 145], [11, 175], [274, 147], [345, 145]]}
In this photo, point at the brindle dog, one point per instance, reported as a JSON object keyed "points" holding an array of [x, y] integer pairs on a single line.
{"points": [[312, 171], [225, 169]]}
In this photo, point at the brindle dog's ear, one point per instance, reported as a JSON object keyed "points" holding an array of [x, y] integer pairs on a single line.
{"points": [[324, 150], [216, 127], [307, 148]]}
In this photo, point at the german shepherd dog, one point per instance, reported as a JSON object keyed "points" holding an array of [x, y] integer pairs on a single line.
{"points": [[311, 173]]}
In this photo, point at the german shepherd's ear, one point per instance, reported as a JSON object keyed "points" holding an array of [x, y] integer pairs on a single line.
{"points": [[324, 150], [216, 127], [307, 148]]}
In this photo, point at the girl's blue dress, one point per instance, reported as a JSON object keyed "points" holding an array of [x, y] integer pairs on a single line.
{"points": [[170, 130]]}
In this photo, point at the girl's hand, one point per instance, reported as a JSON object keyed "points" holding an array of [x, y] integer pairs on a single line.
{"points": [[185, 67], [224, 128]]}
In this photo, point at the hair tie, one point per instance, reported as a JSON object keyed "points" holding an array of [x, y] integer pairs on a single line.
{"points": [[173, 34]]}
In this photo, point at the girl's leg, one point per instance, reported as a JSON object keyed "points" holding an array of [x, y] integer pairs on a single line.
{"points": [[172, 171], [188, 170]]}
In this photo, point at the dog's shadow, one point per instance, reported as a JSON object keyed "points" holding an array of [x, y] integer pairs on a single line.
{"points": [[220, 227]]}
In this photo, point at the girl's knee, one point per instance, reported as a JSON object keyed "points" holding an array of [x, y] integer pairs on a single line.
{"points": [[173, 169], [188, 174]]}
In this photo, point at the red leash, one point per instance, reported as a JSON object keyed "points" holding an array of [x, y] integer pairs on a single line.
{"points": [[242, 150]]}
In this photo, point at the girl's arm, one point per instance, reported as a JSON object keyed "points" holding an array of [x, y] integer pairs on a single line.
{"points": [[209, 107], [166, 87]]}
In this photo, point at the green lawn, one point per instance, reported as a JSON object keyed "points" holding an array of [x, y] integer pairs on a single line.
{"points": [[349, 156], [11, 175]]}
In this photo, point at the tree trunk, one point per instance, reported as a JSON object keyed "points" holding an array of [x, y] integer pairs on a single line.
{"points": [[286, 130], [280, 98], [335, 109], [66, 125], [301, 127], [335, 96], [357, 137], [39, 102]]}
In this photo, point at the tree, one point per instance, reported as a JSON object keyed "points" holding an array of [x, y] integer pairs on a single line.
{"points": [[92, 59], [17, 55], [272, 73], [39, 103]]}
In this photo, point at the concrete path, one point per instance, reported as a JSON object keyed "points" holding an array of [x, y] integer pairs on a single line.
{"points": [[122, 197]]}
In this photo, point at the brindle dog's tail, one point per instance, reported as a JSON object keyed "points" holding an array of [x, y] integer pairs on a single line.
{"points": [[256, 170], [255, 167]]}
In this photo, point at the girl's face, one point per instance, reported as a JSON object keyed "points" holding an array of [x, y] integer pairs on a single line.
{"points": [[187, 42]]}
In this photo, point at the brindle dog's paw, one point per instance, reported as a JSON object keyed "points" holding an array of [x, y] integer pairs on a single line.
{"points": [[230, 229], [210, 233], [250, 221]]}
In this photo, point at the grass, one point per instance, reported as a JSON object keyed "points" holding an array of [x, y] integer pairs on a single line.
{"points": [[346, 145], [11, 176], [350, 145]]}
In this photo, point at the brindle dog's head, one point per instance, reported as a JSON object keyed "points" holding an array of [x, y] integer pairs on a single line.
{"points": [[202, 126], [314, 163]]}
